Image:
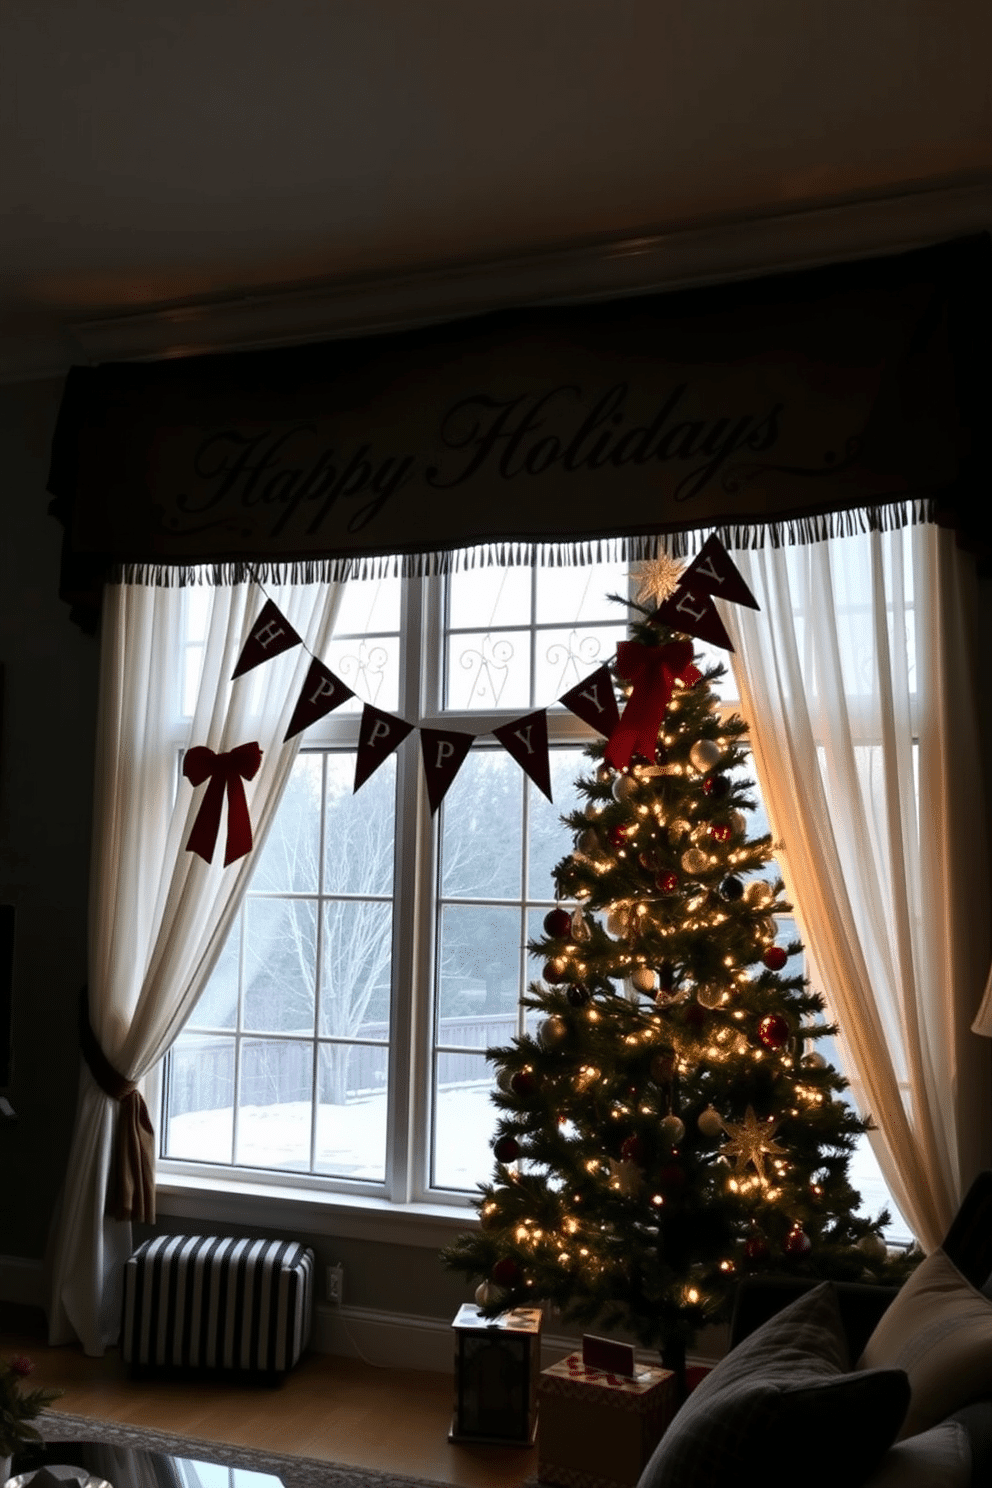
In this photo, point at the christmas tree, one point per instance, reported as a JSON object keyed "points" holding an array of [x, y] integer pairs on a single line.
{"points": [[671, 1126]]}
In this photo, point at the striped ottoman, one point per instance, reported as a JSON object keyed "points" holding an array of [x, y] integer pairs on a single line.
{"points": [[201, 1302]]}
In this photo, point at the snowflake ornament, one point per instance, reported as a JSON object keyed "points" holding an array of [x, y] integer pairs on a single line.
{"points": [[657, 578], [751, 1141]]}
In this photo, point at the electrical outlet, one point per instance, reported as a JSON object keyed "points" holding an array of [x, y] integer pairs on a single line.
{"points": [[335, 1284]]}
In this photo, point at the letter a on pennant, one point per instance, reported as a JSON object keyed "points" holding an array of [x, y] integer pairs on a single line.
{"points": [[443, 751], [322, 693], [595, 702], [527, 740], [378, 736], [269, 636]]}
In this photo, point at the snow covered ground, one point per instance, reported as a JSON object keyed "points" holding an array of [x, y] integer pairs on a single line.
{"points": [[351, 1143]]}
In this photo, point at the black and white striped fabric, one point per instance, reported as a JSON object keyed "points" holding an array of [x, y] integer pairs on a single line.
{"points": [[200, 1301]]}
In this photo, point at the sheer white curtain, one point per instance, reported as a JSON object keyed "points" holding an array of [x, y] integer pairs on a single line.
{"points": [[857, 679], [159, 915]]}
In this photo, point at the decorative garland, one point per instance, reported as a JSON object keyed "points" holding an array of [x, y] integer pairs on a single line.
{"points": [[653, 672]]}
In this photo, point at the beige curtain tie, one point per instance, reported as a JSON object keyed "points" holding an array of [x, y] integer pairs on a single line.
{"points": [[131, 1193]]}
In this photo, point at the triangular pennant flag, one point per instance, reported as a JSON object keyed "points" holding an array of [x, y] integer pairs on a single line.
{"points": [[595, 702], [527, 740], [693, 613], [444, 752], [269, 636], [322, 693], [380, 733], [714, 572]]}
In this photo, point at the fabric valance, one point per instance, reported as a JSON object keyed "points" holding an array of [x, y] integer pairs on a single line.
{"points": [[766, 410]]}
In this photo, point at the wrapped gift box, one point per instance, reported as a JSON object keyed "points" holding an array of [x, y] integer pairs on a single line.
{"points": [[497, 1364], [599, 1429]]}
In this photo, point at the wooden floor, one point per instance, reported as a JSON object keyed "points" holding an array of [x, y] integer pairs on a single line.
{"points": [[340, 1410]]}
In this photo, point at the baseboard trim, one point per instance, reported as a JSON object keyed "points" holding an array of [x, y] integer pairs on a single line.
{"points": [[22, 1280]]}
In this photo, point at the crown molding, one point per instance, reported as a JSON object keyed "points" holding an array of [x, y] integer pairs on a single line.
{"points": [[674, 256]]}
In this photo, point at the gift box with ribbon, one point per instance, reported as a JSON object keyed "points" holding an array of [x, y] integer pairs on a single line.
{"points": [[598, 1428]]}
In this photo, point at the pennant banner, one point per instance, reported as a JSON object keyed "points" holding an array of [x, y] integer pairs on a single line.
{"points": [[269, 636], [379, 735], [226, 773], [527, 740], [713, 571], [595, 702], [443, 752], [693, 612], [322, 693]]}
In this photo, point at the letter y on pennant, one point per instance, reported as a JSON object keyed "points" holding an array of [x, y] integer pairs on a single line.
{"points": [[527, 740]]}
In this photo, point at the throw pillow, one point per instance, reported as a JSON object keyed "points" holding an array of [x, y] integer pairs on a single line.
{"points": [[939, 1329], [781, 1407]]}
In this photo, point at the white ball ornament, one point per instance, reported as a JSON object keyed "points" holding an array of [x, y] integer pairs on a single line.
{"points": [[488, 1295], [710, 1122], [704, 754], [642, 978], [589, 843], [738, 822], [672, 1129], [814, 1061], [873, 1246]]}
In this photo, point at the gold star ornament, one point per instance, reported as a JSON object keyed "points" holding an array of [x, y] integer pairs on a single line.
{"points": [[657, 578], [751, 1141]]}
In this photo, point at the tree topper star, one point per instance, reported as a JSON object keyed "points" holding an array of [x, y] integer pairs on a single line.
{"points": [[751, 1141], [657, 578]]}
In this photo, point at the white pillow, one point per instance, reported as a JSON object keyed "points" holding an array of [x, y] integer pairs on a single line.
{"points": [[939, 1330], [938, 1458]]}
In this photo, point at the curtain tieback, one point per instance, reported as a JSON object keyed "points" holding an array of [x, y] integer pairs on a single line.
{"points": [[131, 1193]]}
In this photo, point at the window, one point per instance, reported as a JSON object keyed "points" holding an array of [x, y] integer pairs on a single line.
{"points": [[340, 1043]]}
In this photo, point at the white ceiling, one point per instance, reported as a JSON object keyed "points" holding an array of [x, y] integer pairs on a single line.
{"points": [[195, 150]]}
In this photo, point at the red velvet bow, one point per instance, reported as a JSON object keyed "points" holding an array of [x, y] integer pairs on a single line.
{"points": [[224, 771], [653, 670]]}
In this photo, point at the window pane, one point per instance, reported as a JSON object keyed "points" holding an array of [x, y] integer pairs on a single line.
{"points": [[369, 606], [479, 958], [290, 858], [218, 1004], [550, 840], [200, 1114], [274, 1105], [564, 657], [370, 666], [488, 669], [480, 828], [356, 962], [360, 829], [481, 597], [280, 955], [464, 1121], [576, 594], [351, 1116]]}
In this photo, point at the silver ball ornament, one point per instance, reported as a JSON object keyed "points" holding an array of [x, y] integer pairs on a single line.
{"points": [[488, 1295], [552, 1031], [624, 787], [694, 861], [704, 755], [710, 997], [672, 1129], [710, 1122]]}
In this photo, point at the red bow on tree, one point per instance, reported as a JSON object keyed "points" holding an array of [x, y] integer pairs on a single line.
{"points": [[225, 772], [654, 671]]}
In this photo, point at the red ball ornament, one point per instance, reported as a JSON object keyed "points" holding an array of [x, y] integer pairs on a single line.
{"points": [[756, 1248], [717, 786], [633, 1150], [558, 923], [578, 995], [774, 1031], [720, 832], [506, 1149], [506, 1272], [774, 958], [553, 973], [618, 836], [668, 882], [524, 1083], [797, 1242]]}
